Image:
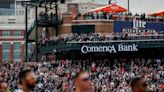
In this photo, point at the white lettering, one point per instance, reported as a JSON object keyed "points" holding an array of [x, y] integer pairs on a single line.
{"points": [[110, 49], [120, 48], [132, 47], [86, 49], [135, 47], [139, 24]]}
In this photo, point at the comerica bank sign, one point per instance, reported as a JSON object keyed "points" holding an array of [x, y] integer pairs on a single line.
{"points": [[110, 49]]}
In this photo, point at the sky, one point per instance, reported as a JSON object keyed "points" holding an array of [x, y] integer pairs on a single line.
{"points": [[139, 6]]}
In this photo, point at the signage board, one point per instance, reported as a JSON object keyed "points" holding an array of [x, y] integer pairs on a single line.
{"points": [[110, 49], [138, 26]]}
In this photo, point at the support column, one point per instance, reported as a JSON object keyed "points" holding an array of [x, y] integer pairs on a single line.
{"points": [[36, 34], [11, 52], [11, 32], [56, 11], [128, 6], [1, 32], [0, 52], [26, 38], [46, 10], [23, 52], [33, 47]]}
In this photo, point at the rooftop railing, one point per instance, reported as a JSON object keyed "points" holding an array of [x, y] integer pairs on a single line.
{"points": [[117, 17]]}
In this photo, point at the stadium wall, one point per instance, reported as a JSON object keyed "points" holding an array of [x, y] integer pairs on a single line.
{"points": [[101, 26]]}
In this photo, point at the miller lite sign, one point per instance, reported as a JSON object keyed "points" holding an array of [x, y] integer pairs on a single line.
{"points": [[139, 26]]}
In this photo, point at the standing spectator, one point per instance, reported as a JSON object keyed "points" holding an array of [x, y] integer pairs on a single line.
{"points": [[83, 83], [27, 81], [139, 85]]}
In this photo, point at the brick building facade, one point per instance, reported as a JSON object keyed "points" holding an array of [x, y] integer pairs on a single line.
{"points": [[11, 45]]}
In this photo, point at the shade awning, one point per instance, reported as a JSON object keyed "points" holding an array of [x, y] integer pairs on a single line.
{"points": [[112, 8], [157, 13]]}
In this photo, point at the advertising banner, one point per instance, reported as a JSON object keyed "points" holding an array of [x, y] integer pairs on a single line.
{"points": [[138, 26], [110, 48]]}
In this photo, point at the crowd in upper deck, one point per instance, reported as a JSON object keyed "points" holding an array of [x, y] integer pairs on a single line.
{"points": [[117, 16], [90, 37]]}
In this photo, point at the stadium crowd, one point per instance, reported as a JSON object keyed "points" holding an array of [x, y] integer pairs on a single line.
{"points": [[75, 37], [117, 16], [107, 75]]}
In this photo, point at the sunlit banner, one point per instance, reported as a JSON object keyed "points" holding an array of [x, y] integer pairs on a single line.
{"points": [[110, 49]]}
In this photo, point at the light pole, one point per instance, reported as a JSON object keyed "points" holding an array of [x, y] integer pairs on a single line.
{"points": [[128, 6], [25, 4], [36, 33], [26, 34], [56, 10]]}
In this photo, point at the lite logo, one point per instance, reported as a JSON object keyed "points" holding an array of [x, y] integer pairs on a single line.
{"points": [[139, 24]]}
